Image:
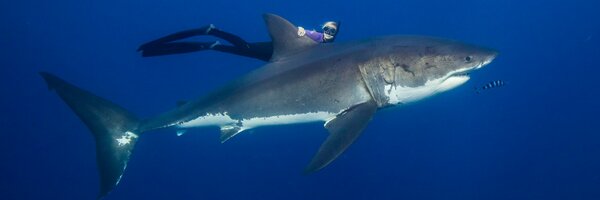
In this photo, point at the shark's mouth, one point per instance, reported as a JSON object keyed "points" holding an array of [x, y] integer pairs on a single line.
{"points": [[462, 74], [467, 72]]}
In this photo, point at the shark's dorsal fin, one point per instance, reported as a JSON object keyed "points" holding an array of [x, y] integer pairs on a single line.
{"points": [[285, 37]]}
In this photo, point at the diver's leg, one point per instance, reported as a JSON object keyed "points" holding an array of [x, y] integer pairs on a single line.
{"points": [[177, 48], [262, 50], [259, 50]]}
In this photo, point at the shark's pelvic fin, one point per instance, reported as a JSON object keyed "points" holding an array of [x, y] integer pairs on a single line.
{"points": [[227, 132], [285, 37], [344, 129], [113, 127]]}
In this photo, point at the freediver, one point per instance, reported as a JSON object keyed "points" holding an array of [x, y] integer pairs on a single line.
{"points": [[172, 44]]}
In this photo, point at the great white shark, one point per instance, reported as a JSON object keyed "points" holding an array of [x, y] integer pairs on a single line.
{"points": [[340, 84]]}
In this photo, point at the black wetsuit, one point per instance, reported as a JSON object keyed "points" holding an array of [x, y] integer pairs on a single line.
{"points": [[169, 45]]}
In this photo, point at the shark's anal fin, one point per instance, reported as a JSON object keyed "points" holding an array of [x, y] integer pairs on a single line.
{"points": [[180, 132], [344, 129], [286, 40], [228, 132]]}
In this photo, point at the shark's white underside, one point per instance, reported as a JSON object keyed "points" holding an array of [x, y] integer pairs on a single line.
{"points": [[224, 120], [399, 94]]}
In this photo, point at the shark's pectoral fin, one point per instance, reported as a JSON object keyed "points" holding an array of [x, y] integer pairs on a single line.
{"points": [[344, 129], [228, 132]]}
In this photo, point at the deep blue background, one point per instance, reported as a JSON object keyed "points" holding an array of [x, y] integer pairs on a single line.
{"points": [[536, 138]]}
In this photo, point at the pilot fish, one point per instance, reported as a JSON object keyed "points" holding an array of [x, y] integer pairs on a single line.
{"points": [[491, 84]]}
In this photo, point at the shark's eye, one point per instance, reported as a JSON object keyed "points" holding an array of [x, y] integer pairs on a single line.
{"points": [[468, 59]]}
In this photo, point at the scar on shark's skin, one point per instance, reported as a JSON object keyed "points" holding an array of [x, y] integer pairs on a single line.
{"points": [[428, 66], [388, 72], [406, 68]]}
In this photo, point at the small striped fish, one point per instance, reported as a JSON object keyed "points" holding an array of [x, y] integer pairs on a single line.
{"points": [[492, 84]]}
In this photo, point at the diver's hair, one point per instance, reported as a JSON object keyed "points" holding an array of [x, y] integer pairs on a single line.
{"points": [[330, 24]]}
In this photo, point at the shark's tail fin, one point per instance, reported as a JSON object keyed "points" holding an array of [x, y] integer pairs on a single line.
{"points": [[113, 127]]}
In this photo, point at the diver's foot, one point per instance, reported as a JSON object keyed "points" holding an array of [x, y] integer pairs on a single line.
{"points": [[210, 28]]}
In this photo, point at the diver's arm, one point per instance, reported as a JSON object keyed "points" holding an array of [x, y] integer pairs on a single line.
{"points": [[312, 34]]}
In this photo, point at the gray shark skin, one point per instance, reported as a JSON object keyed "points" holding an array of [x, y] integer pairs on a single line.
{"points": [[340, 84]]}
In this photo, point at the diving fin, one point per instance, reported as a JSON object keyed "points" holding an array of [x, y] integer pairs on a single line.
{"points": [[343, 130]]}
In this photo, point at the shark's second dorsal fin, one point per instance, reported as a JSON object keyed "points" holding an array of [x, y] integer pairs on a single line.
{"points": [[285, 37], [181, 103]]}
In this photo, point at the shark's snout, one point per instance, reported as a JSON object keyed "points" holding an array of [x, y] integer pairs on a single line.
{"points": [[487, 56], [491, 54]]}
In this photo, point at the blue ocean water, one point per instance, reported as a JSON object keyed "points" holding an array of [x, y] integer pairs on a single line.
{"points": [[535, 138]]}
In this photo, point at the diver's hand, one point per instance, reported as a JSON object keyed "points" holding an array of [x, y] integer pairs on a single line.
{"points": [[301, 31]]}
